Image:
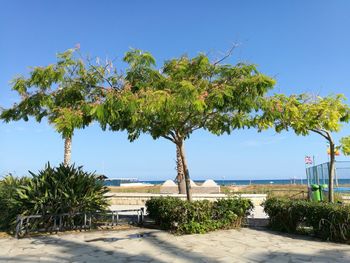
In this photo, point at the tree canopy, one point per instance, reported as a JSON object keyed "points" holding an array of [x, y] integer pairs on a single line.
{"points": [[304, 114], [185, 95], [63, 92]]}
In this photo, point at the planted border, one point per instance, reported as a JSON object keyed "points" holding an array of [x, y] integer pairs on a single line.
{"points": [[327, 221], [183, 217]]}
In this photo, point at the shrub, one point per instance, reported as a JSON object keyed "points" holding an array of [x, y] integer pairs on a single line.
{"points": [[185, 217], [328, 221], [64, 189], [10, 206]]}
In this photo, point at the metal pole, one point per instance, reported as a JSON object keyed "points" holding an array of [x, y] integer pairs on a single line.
{"points": [[27, 224], [316, 170], [85, 219], [142, 214], [335, 175], [18, 226]]}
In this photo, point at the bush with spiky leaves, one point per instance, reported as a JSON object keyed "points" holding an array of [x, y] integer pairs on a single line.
{"points": [[10, 206], [64, 189], [52, 191]]}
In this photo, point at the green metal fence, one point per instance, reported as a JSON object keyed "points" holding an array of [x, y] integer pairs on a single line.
{"points": [[318, 174]]}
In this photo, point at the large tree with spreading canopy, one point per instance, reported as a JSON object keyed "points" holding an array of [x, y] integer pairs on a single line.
{"points": [[308, 114], [185, 95], [64, 93]]}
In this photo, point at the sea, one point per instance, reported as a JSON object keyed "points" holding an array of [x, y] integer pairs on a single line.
{"points": [[249, 182]]}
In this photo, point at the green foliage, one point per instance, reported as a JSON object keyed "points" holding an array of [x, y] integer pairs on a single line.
{"points": [[185, 217], [345, 145], [304, 114], [64, 189], [185, 95], [64, 92], [328, 221], [190, 94], [10, 206]]}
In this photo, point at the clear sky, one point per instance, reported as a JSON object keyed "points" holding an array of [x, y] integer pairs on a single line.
{"points": [[305, 45]]}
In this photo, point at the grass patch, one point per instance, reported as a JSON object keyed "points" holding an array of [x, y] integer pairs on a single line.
{"points": [[154, 189]]}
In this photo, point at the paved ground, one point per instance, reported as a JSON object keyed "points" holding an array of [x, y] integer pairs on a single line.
{"points": [[146, 245]]}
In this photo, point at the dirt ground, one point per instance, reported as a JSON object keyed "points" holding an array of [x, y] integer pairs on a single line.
{"points": [[276, 190]]}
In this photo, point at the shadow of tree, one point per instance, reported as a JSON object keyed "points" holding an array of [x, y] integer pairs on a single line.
{"points": [[89, 251], [186, 254], [158, 248], [78, 251], [329, 255], [304, 237]]}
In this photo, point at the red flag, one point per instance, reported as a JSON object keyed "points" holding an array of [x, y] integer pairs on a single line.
{"points": [[308, 160]]}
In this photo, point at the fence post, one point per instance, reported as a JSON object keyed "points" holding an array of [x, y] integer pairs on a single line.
{"points": [[55, 223], [19, 222], [27, 223], [85, 221], [142, 214], [60, 223]]}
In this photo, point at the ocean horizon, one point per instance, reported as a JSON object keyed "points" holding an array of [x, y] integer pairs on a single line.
{"points": [[249, 182]]}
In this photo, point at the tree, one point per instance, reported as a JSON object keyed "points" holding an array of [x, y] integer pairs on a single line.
{"points": [[63, 92], [188, 94], [180, 177], [305, 114]]}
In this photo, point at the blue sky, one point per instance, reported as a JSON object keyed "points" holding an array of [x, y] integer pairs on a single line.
{"points": [[303, 44]]}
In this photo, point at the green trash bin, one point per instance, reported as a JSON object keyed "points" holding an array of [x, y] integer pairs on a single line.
{"points": [[315, 193], [322, 188]]}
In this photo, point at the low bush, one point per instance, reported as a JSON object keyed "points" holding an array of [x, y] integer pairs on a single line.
{"points": [[52, 191], [328, 221], [185, 217], [64, 189], [10, 206]]}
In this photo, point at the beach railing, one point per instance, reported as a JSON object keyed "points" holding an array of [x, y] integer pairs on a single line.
{"points": [[75, 221]]}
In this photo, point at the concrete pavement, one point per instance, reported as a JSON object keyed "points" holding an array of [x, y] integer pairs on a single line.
{"points": [[147, 245]]}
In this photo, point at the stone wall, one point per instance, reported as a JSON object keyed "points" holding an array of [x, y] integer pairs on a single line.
{"points": [[346, 199], [141, 198], [208, 187]]}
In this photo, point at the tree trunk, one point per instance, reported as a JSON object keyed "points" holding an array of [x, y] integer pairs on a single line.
{"points": [[67, 150], [331, 171], [185, 167], [180, 178]]}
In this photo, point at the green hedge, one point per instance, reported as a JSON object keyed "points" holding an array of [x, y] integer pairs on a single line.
{"points": [[185, 217], [326, 220]]}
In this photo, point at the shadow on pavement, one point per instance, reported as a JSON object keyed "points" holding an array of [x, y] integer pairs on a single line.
{"points": [[333, 255], [86, 251]]}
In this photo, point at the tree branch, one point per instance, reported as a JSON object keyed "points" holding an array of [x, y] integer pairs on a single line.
{"points": [[322, 134], [168, 138], [228, 54], [96, 69]]}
